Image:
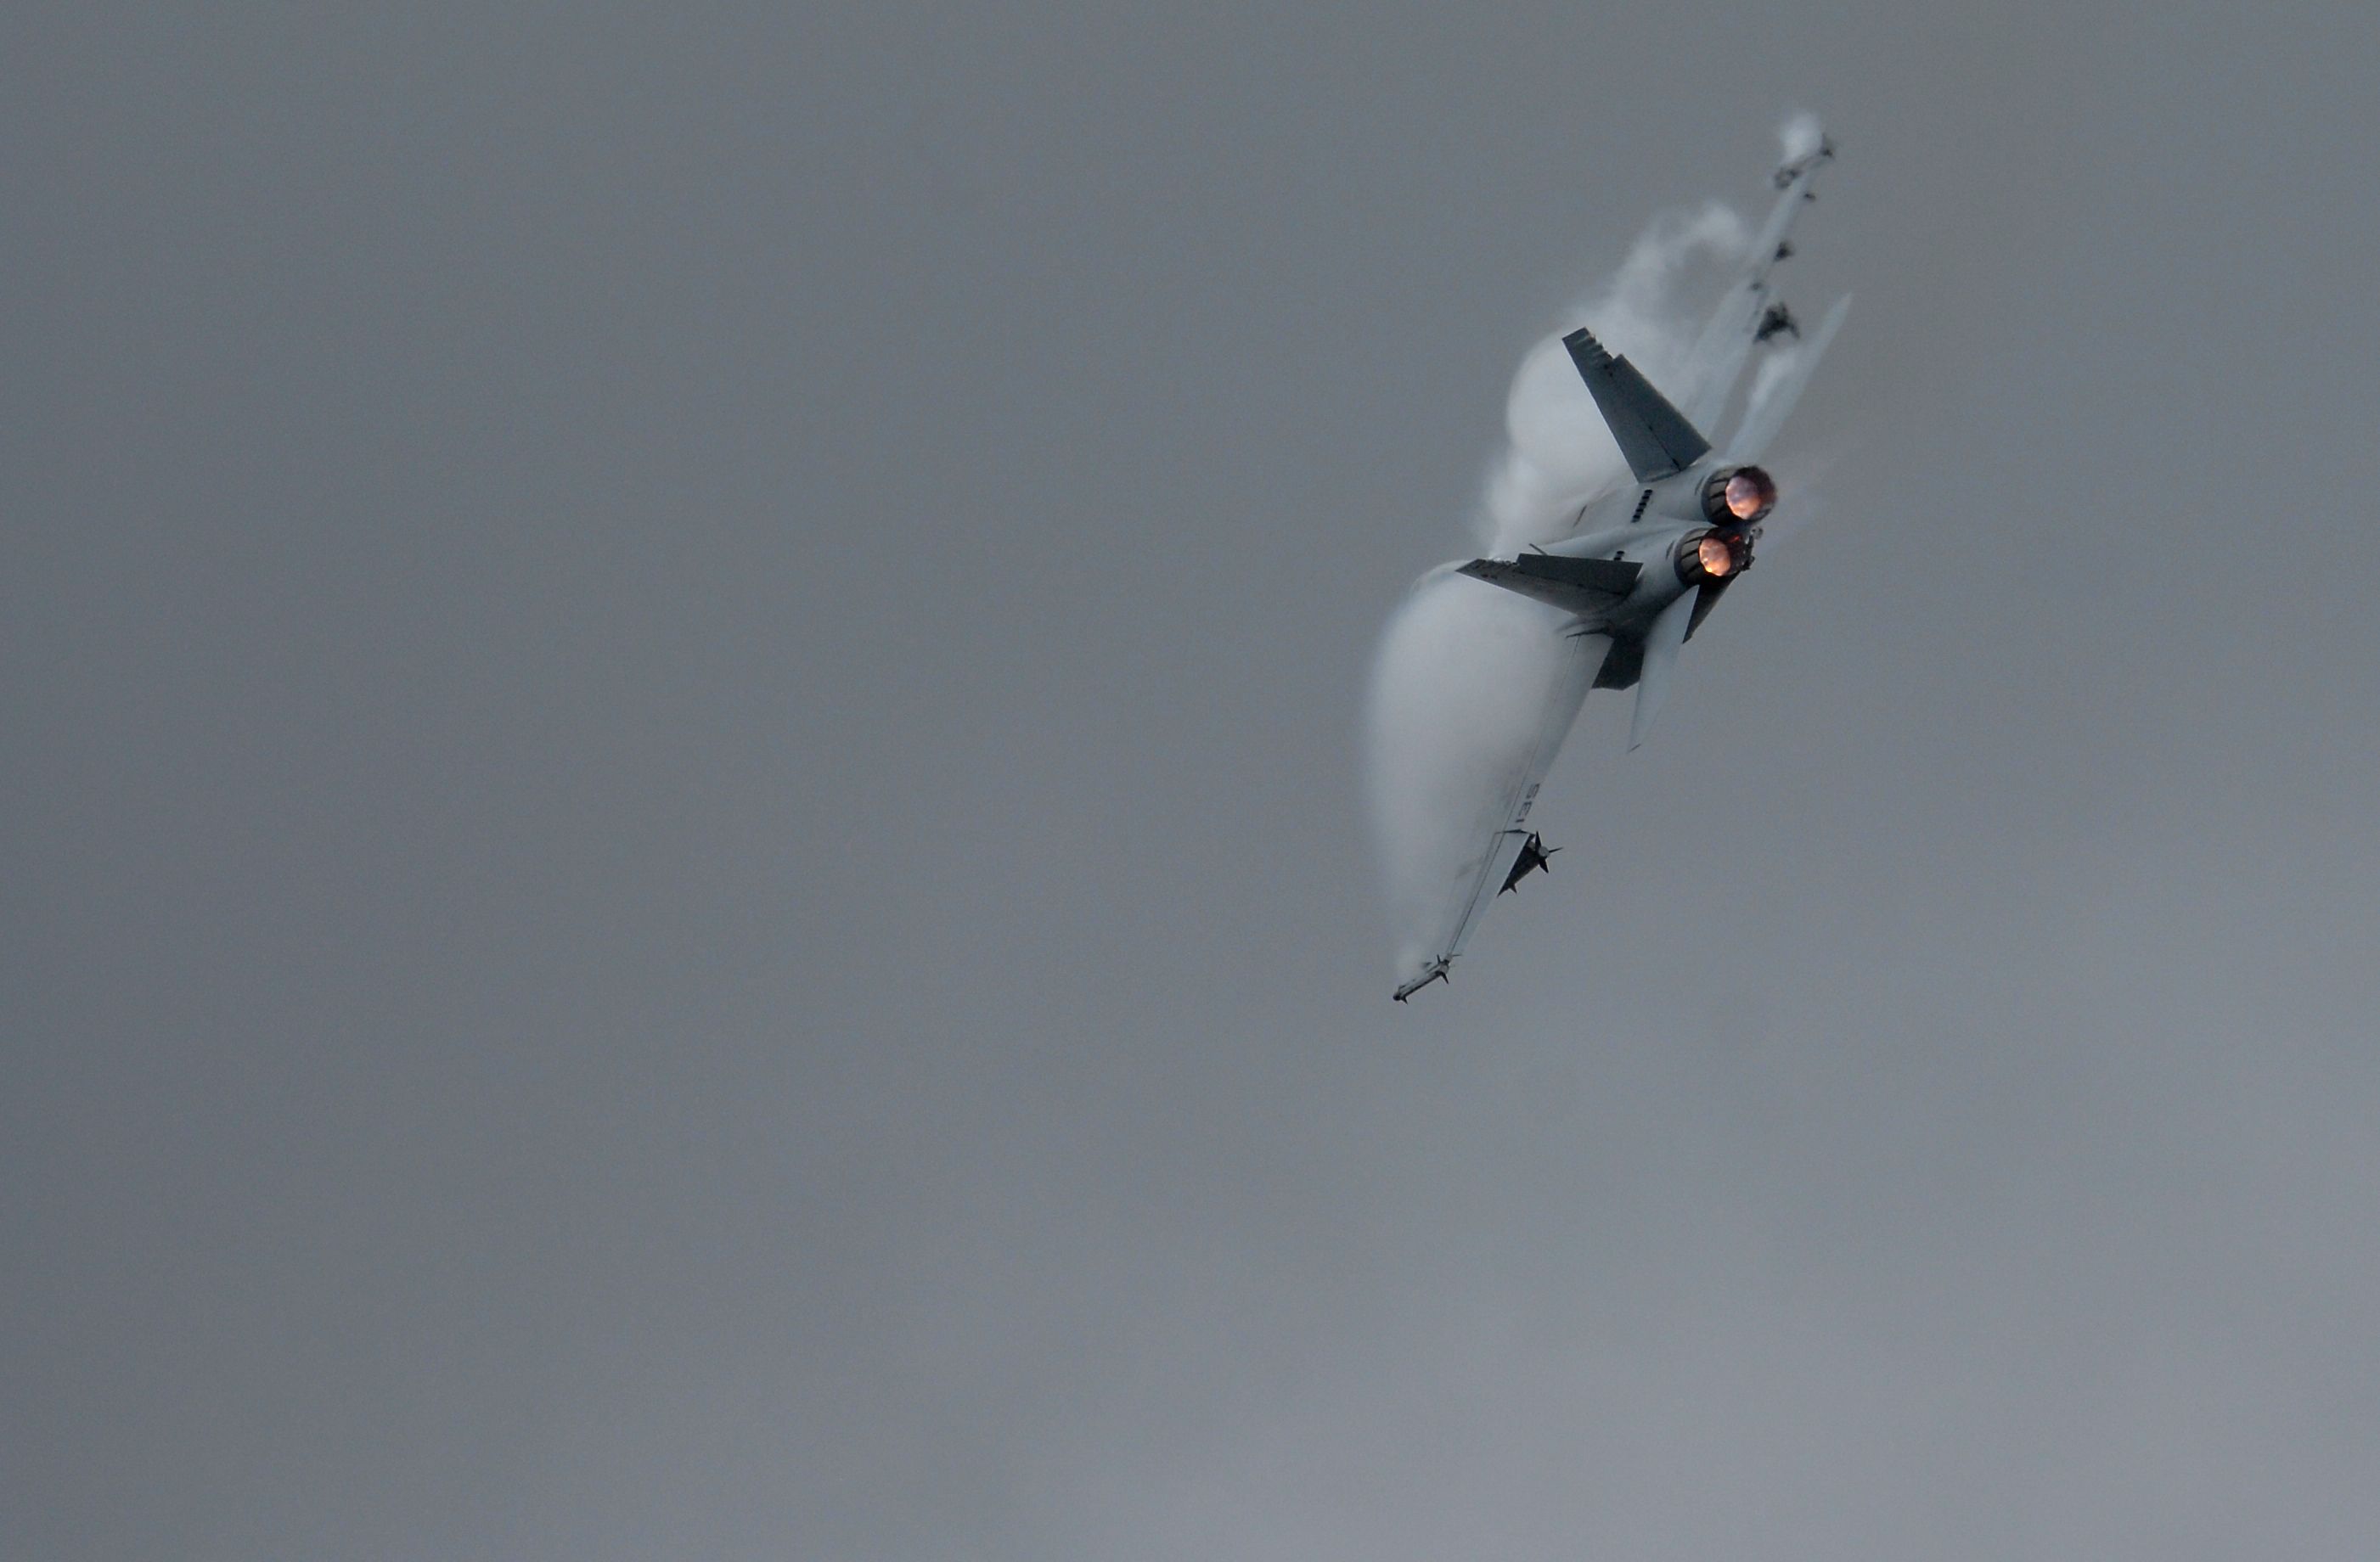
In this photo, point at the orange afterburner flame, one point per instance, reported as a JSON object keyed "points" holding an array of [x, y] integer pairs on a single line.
{"points": [[1714, 555], [1736, 497], [1750, 493]]}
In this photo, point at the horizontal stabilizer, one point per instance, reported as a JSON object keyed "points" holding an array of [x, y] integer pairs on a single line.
{"points": [[1653, 435], [1584, 586]]}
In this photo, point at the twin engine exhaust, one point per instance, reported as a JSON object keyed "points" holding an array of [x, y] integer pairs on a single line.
{"points": [[1734, 500]]}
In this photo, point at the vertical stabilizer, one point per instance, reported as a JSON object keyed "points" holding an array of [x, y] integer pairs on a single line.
{"points": [[1653, 435]]}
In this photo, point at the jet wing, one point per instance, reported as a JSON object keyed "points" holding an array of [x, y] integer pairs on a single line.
{"points": [[1502, 851], [1727, 338], [1473, 888], [1773, 398]]}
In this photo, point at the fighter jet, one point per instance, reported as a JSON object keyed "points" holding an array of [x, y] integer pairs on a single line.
{"points": [[1646, 563]]}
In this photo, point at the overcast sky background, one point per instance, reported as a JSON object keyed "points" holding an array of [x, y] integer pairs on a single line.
{"points": [[683, 871]]}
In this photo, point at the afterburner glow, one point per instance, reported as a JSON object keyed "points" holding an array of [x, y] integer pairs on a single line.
{"points": [[1750, 493]]}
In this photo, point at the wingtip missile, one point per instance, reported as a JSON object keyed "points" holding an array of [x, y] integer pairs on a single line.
{"points": [[1436, 972], [1818, 157]]}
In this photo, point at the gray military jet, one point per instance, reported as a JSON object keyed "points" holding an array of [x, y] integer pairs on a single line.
{"points": [[1647, 564]]}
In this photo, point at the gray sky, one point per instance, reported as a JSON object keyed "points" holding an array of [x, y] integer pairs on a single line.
{"points": [[683, 873]]}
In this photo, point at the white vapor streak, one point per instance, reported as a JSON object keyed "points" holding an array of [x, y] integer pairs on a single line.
{"points": [[1463, 672], [1798, 135], [1558, 453]]}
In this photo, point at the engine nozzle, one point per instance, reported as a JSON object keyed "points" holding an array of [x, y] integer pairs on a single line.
{"points": [[1738, 496], [1711, 556]]}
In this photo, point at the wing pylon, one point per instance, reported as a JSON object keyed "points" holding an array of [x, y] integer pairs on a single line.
{"points": [[1772, 402]]}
